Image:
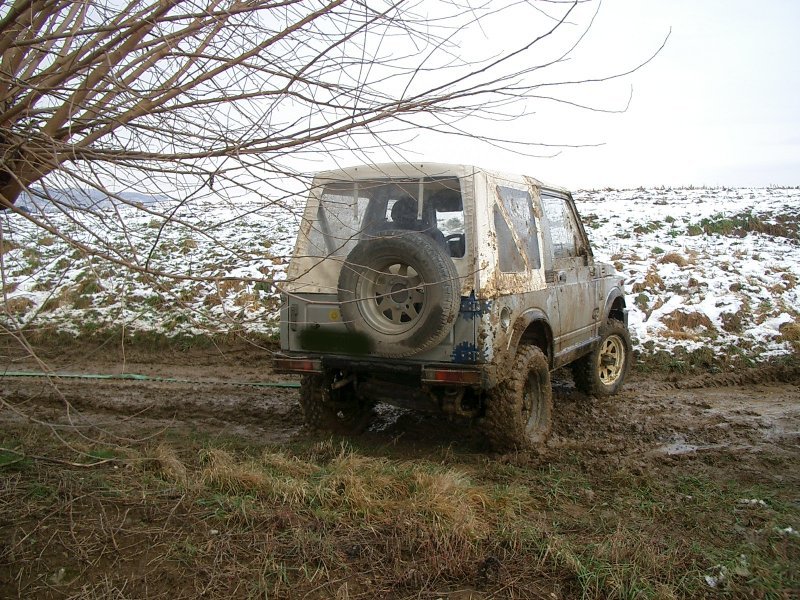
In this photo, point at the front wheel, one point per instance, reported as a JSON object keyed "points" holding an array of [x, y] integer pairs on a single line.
{"points": [[602, 372], [337, 410], [519, 411]]}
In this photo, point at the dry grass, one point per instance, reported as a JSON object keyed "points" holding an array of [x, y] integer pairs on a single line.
{"points": [[330, 521], [67, 297], [64, 298], [249, 300], [652, 282], [680, 321], [232, 476], [230, 285], [225, 288], [734, 322], [790, 332], [165, 460], [9, 288], [19, 305], [788, 282], [674, 258], [187, 244], [7, 246], [374, 491], [403, 525]]}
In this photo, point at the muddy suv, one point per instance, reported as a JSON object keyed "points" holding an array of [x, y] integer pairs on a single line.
{"points": [[447, 288]]}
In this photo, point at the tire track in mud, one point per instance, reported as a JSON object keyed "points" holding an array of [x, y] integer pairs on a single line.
{"points": [[647, 417], [754, 376], [748, 420], [270, 414]]}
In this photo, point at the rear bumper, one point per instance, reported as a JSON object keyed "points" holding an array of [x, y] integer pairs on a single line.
{"points": [[413, 373]]}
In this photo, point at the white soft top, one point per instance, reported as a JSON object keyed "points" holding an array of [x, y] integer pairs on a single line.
{"points": [[311, 272], [416, 170]]}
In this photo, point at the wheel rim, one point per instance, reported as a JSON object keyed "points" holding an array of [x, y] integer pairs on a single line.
{"points": [[611, 360], [391, 299]]}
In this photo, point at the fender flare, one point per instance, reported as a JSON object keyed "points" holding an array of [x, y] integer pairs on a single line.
{"points": [[521, 325], [615, 294]]}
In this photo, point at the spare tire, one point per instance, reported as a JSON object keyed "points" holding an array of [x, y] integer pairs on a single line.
{"points": [[401, 290]]}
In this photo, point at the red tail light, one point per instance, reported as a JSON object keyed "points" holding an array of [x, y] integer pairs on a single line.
{"points": [[454, 376], [297, 365]]}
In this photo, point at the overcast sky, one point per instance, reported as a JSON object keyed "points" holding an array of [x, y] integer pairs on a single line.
{"points": [[720, 105]]}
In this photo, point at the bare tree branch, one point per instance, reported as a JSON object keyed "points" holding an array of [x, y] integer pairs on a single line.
{"points": [[198, 103]]}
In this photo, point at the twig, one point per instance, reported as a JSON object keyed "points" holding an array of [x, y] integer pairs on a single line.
{"points": [[59, 461]]}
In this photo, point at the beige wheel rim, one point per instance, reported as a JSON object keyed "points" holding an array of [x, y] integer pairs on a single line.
{"points": [[611, 360]]}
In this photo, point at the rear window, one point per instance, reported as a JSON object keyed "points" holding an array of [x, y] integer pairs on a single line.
{"points": [[351, 211]]}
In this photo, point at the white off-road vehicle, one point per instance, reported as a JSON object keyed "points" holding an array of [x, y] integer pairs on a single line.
{"points": [[447, 288]]}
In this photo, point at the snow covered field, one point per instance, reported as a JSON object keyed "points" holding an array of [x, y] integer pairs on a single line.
{"points": [[714, 269], [708, 270]]}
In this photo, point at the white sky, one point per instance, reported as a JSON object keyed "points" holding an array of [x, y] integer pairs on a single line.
{"points": [[719, 106]]}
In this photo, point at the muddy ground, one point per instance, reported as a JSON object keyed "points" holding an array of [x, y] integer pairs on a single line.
{"points": [[736, 430], [752, 415]]}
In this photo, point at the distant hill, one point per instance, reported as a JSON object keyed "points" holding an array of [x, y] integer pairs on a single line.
{"points": [[79, 199]]}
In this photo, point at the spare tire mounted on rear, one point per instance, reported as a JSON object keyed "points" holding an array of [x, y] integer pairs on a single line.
{"points": [[400, 289]]}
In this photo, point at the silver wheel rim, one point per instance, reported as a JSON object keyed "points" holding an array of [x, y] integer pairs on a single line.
{"points": [[391, 299], [611, 360]]}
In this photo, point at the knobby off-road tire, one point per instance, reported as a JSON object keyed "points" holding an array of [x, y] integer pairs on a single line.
{"points": [[332, 410], [603, 371], [401, 290], [519, 411]]}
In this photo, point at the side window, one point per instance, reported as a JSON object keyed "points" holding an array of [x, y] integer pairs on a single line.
{"points": [[519, 207], [562, 226], [510, 257]]}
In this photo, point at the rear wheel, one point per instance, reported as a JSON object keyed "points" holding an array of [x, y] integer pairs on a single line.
{"points": [[331, 408], [603, 371], [519, 411]]}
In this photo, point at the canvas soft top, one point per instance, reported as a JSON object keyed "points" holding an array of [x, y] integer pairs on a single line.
{"points": [[416, 170]]}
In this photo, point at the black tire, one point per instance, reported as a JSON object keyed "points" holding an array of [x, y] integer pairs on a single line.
{"points": [[332, 410], [401, 290], [519, 411], [602, 372]]}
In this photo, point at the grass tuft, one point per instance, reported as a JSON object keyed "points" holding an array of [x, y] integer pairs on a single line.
{"points": [[169, 465], [674, 258], [680, 322], [652, 282], [790, 332]]}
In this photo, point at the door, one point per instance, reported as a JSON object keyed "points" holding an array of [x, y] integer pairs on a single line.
{"points": [[570, 267]]}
